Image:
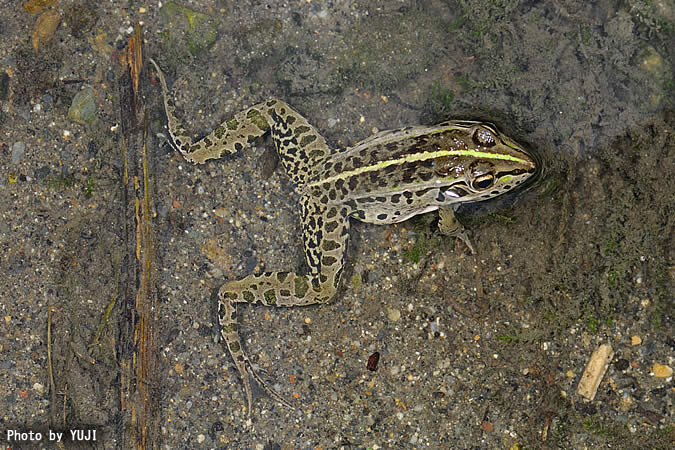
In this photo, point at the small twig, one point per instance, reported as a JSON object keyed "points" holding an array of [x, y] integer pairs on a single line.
{"points": [[80, 356], [547, 424], [65, 396], [52, 385], [103, 323]]}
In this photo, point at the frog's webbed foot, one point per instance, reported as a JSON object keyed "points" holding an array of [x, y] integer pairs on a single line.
{"points": [[271, 392], [228, 330], [450, 226]]}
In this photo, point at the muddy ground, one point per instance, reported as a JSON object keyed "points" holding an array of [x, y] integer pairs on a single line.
{"points": [[476, 351]]}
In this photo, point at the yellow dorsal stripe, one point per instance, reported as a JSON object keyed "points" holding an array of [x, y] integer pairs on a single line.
{"points": [[423, 156]]}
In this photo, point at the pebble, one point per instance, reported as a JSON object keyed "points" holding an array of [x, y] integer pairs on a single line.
{"points": [[4, 86], [41, 173], [162, 210], [635, 340], [47, 101], [357, 281], [661, 370], [393, 314], [626, 403], [18, 149], [621, 364], [83, 108]]}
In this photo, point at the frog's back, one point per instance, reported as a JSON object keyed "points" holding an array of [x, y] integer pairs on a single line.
{"points": [[421, 167]]}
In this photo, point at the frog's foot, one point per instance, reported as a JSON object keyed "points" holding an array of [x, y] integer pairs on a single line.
{"points": [[228, 330], [450, 226], [271, 392]]}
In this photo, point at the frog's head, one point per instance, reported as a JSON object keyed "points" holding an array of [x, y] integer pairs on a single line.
{"points": [[481, 162]]}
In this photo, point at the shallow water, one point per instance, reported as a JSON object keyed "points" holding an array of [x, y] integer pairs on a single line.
{"points": [[480, 351]]}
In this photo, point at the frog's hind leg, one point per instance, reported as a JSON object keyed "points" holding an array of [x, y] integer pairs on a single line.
{"points": [[300, 147], [229, 332], [325, 233]]}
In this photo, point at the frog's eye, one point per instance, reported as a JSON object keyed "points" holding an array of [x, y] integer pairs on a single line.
{"points": [[484, 137], [483, 182]]}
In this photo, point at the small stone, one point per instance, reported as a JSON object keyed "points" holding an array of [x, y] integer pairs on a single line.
{"points": [[179, 368], [635, 340], [393, 314], [4, 86], [162, 210], [201, 438], [626, 403], [661, 370], [83, 108], [18, 149], [41, 173], [357, 281], [621, 364], [39, 388]]}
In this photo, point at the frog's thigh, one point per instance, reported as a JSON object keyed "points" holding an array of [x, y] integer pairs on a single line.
{"points": [[325, 233]]}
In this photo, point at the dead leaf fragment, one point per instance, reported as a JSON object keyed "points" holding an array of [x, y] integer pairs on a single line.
{"points": [[35, 6], [45, 27]]}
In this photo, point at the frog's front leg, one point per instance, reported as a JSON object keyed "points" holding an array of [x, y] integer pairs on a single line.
{"points": [[450, 226], [325, 234]]}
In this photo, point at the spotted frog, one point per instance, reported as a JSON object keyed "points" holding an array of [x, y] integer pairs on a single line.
{"points": [[387, 178]]}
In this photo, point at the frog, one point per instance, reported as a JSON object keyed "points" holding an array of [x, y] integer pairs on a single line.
{"points": [[387, 178]]}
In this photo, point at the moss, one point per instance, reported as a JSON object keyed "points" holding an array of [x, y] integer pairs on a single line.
{"points": [[425, 241], [441, 100], [89, 187], [188, 32], [62, 182]]}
